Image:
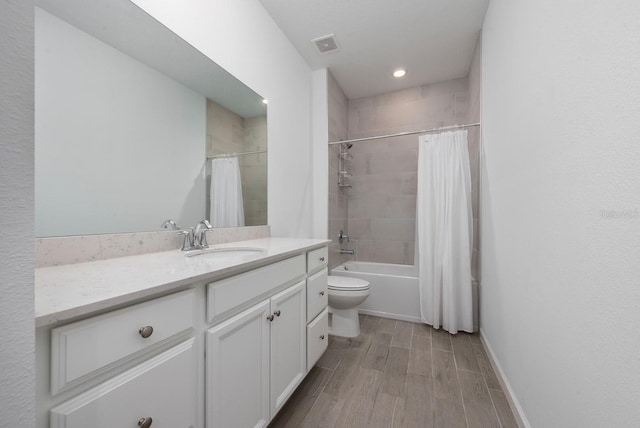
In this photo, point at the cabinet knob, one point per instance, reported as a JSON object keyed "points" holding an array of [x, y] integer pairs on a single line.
{"points": [[146, 332], [322, 337], [277, 313], [270, 317], [321, 259], [322, 293], [145, 422]]}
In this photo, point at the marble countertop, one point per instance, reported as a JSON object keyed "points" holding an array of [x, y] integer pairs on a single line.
{"points": [[70, 291]]}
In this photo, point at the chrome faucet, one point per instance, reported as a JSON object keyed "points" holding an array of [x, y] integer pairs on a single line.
{"points": [[200, 234], [196, 239], [342, 236], [350, 252]]}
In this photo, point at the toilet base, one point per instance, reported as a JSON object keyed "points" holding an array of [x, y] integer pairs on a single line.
{"points": [[344, 322]]}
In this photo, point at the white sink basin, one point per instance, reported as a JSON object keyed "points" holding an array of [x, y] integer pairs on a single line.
{"points": [[226, 253]]}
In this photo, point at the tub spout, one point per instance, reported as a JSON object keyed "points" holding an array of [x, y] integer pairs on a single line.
{"points": [[350, 252]]}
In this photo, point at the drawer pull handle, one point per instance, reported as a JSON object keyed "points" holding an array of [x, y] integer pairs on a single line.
{"points": [[270, 317], [321, 259], [322, 293], [322, 337], [146, 332], [145, 422], [277, 313]]}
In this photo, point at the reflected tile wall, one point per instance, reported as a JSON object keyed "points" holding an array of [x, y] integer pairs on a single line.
{"points": [[227, 132], [338, 196]]}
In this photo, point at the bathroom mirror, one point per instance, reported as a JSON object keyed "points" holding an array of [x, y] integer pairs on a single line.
{"points": [[128, 119]]}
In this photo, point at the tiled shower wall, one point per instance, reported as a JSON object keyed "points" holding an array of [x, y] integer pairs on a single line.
{"points": [[338, 114], [227, 132], [253, 169], [382, 202]]}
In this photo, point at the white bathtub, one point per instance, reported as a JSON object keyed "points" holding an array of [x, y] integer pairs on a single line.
{"points": [[394, 290]]}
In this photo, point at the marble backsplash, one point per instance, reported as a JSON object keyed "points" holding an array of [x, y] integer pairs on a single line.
{"points": [[65, 250]]}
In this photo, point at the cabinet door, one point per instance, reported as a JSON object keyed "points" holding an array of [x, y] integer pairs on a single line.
{"points": [[238, 370], [288, 343], [161, 390]]}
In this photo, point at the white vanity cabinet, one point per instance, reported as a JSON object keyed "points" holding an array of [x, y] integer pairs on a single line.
{"points": [[124, 367], [157, 393], [227, 353], [256, 359], [317, 305]]}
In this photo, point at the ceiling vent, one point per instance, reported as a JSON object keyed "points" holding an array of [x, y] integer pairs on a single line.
{"points": [[326, 44]]}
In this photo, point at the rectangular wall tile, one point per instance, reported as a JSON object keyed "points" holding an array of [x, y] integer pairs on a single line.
{"points": [[385, 170]]}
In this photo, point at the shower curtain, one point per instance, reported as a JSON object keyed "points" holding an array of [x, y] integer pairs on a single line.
{"points": [[444, 231], [226, 193]]}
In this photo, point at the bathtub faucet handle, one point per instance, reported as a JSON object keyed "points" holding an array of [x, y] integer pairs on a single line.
{"points": [[342, 236]]}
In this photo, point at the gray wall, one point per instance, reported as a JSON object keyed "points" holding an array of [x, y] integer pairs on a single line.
{"points": [[17, 335]]}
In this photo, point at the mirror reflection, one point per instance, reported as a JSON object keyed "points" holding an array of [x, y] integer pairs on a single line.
{"points": [[134, 126]]}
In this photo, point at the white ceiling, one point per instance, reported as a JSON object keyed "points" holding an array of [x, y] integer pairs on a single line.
{"points": [[433, 39]]}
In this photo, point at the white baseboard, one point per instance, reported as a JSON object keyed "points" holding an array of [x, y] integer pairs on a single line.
{"points": [[389, 315], [516, 408]]}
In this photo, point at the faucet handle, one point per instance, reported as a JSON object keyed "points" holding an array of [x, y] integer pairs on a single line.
{"points": [[187, 244]]}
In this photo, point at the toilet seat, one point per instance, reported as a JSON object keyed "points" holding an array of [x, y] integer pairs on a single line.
{"points": [[347, 283]]}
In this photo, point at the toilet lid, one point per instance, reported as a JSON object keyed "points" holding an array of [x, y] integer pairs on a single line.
{"points": [[347, 283]]}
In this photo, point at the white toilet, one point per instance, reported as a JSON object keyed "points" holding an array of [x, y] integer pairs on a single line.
{"points": [[345, 294]]}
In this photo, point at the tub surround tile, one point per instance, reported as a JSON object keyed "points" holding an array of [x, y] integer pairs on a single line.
{"points": [[393, 229], [338, 130], [380, 251], [385, 171], [56, 251]]}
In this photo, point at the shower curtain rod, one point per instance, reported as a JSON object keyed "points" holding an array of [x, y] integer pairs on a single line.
{"points": [[228, 155], [400, 134]]}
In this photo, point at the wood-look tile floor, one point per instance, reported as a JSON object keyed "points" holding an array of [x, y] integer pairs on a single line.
{"points": [[399, 374]]}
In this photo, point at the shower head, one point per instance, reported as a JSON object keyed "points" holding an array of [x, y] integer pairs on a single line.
{"points": [[349, 146]]}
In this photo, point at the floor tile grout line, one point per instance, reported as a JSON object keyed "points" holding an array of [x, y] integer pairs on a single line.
{"points": [[455, 363], [433, 387], [484, 380]]}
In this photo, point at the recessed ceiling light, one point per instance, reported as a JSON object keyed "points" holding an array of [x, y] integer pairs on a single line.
{"points": [[399, 72], [265, 101]]}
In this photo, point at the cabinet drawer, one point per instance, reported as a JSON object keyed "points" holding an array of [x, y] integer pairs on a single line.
{"points": [[317, 294], [86, 348], [233, 294], [162, 388], [317, 258], [317, 338]]}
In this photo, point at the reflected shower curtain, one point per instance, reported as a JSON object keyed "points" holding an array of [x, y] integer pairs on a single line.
{"points": [[444, 231], [226, 193]]}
